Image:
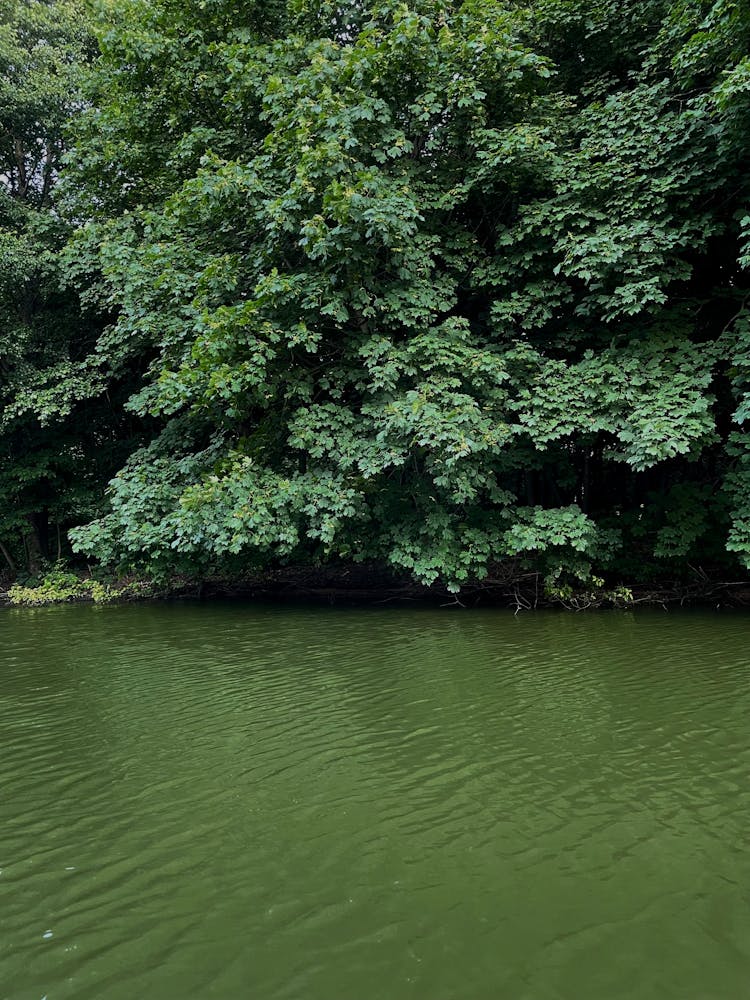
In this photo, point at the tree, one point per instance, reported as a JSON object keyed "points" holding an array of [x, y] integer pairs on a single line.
{"points": [[436, 284], [58, 433]]}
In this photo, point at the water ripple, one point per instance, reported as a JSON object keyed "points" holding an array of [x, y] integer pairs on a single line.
{"points": [[227, 800]]}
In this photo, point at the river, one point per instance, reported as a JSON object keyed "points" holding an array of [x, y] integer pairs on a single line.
{"points": [[233, 801]]}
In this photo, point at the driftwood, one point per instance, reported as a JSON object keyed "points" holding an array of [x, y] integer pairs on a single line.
{"points": [[509, 586]]}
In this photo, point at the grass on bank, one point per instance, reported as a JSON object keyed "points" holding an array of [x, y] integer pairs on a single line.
{"points": [[61, 586]]}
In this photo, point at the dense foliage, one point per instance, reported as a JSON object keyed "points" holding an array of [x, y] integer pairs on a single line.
{"points": [[60, 435], [435, 285]]}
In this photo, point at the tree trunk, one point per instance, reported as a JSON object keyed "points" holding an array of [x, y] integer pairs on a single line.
{"points": [[8, 558], [33, 552], [37, 540]]}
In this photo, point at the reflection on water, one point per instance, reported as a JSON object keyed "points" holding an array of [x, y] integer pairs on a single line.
{"points": [[237, 801]]}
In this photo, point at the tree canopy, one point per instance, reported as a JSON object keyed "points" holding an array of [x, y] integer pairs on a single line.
{"points": [[429, 284]]}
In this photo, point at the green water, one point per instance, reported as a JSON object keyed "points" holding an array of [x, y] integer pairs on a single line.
{"points": [[232, 801]]}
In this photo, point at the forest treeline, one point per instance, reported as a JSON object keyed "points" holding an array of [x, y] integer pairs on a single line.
{"points": [[429, 285]]}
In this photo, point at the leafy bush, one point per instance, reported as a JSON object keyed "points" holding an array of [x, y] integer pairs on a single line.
{"points": [[60, 586]]}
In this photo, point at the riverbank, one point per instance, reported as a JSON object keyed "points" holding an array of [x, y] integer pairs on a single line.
{"points": [[508, 587]]}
